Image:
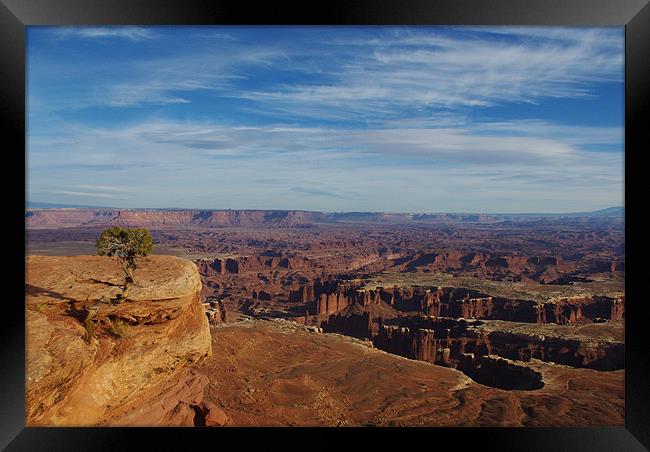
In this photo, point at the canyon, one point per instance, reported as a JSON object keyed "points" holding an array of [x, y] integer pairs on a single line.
{"points": [[292, 313]]}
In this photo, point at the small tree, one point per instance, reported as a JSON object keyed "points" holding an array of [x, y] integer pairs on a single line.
{"points": [[126, 245]]}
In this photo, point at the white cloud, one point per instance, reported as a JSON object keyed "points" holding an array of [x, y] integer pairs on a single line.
{"points": [[174, 100], [170, 163], [396, 114], [413, 69], [377, 75], [102, 188], [215, 35], [81, 193], [125, 32]]}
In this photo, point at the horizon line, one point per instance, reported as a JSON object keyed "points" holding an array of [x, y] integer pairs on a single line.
{"points": [[80, 207]]}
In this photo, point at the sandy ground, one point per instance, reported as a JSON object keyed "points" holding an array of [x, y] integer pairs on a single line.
{"points": [[277, 373]]}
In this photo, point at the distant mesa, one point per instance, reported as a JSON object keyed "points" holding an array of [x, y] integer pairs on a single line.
{"points": [[60, 215]]}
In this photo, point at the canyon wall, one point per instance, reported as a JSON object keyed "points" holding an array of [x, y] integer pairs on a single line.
{"points": [[242, 264], [500, 373], [544, 268], [443, 341], [332, 296]]}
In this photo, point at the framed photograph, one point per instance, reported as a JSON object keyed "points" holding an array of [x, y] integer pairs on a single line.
{"points": [[325, 220]]}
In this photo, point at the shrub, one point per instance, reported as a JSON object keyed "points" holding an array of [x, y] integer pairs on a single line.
{"points": [[126, 245]]}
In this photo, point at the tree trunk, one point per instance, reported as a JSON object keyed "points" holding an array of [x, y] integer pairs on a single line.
{"points": [[128, 280]]}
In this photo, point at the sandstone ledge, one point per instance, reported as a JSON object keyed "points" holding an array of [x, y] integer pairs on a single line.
{"points": [[88, 357]]}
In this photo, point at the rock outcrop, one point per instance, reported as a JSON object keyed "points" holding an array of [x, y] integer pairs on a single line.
{"points": [[443, 341], [93, 359], [455, 302], [242, 264]]}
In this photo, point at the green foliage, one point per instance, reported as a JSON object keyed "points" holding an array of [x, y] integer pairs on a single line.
{"points": [[126, 245]]}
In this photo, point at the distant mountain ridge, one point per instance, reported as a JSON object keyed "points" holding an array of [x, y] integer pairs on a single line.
{"points": [[41, 218]]}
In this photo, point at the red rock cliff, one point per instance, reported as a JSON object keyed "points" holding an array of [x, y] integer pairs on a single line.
{"points": [[88, 357]]}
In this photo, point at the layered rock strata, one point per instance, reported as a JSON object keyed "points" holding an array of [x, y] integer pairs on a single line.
{"points": [[443, 341], [90, 355], [332, 297]]}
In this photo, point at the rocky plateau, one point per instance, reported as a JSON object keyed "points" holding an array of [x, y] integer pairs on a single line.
{"points": [[308, 318]]}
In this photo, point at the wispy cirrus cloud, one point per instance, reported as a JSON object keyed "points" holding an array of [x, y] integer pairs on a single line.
{"points": [[124, 32], [91, 191], [153, 81], [340, 167], [101, 188], [88, 194], [526, 142], [407, 119], [316, 192], [384, 75]]}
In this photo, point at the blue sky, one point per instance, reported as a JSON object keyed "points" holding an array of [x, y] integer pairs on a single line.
{"points": [[395, 119]]}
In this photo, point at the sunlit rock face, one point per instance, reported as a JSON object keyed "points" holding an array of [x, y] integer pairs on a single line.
{"points": [[91, 355]]}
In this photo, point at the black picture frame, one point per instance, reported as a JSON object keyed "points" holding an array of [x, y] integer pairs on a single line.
{"points": [[15, 15]]}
